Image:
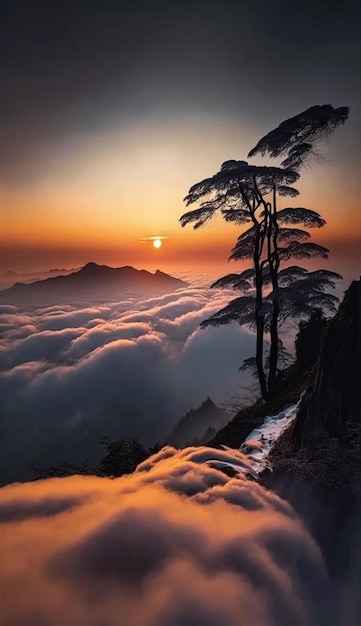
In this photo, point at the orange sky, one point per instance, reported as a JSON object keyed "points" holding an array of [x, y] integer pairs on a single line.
{"points": [[97, 198], [112, 112]]}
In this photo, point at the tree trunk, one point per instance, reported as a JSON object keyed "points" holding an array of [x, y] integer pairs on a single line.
{"points": [[259, 355], [259, 315], [274, 264], [273, 361]]}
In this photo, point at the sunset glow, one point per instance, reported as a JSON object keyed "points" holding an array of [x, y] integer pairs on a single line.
{"points": [[179, 321], [96, 155], [80, 207]]}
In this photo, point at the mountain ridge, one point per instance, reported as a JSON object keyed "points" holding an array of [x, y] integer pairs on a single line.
{"points": [[198, 425], [106, 281]]}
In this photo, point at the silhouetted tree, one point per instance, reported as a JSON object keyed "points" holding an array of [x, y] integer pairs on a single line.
{"points": [[123, 456], [248, 194]]}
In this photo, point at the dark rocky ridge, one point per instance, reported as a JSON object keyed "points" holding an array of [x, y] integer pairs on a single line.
{"points": [[294, 381], [317, 462], [333, 402], [323, 447]]}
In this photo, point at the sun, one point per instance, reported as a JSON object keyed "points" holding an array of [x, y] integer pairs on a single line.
{"points": [[157, 243]]}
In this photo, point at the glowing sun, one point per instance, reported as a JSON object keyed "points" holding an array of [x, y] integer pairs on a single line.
{"points": [[157, 243]]}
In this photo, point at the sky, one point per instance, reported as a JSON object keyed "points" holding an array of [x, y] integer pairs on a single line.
{"points": [[112, 110]]}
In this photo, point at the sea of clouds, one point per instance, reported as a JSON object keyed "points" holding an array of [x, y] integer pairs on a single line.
{"points": [[70, 374], [177, 543]]}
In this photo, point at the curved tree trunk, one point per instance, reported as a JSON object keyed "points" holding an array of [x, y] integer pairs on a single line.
{"points": [[274, 264], [259, 314], [259, 355]]}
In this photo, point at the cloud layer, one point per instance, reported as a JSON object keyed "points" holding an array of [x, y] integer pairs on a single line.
{"points": [[71, 375], [176, 543]]}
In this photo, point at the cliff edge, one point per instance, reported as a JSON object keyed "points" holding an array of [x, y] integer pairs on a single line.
{"points": [[333, 402]]}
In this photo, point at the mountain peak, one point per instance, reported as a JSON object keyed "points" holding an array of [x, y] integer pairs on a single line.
{"points": [[90, 267], [192, 429]]}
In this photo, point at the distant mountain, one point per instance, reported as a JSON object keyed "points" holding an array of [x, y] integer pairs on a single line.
{"points": [[57, 270], [91, 281], [198, 426]]}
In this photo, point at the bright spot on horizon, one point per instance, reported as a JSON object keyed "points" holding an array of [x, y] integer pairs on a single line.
{"points": [[157, 243]]}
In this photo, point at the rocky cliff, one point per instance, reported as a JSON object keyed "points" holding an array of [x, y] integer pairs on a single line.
{"points": [[323, 447], [333, 402], [317, 462]]}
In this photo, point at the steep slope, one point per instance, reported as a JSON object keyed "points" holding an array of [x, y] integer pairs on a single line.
{"points": [[323, 446], [294, 382], [317, 462], [333, 402]]}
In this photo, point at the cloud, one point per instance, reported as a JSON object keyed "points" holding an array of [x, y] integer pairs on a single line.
{"points": [[55, 320], [177, 542], [104, 332], [121, 369], [17, 510], [7, 308], [44, 345], [14, 324]]}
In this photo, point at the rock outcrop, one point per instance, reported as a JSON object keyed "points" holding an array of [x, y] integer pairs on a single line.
{"points": [[317, 462], [333, 402]]}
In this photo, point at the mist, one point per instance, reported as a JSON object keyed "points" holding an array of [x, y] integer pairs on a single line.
{"points": [[125, 369]]}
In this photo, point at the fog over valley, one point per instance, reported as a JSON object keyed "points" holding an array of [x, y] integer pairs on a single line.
{"points": [[176, 542], [71, 374]]}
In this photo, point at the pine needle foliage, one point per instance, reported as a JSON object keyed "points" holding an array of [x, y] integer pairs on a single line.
{"points": [[248, 194]]}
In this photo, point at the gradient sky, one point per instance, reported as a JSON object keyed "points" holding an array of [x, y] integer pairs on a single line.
{"points": [[111, 110]]}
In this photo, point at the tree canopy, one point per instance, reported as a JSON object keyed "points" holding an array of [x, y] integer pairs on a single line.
{"points": [[248, 194]]}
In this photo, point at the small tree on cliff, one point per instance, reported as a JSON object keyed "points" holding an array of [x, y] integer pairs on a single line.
{"points": [[248, 194]]}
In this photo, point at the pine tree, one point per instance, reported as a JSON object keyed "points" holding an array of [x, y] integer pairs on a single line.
{"points": [[248, 194]]}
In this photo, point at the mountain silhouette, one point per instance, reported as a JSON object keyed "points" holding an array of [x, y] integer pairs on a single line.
{"points": [[91, 281], [198, 425]]}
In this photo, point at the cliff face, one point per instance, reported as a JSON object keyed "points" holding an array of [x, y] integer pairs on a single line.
{"points": [[333, 403], [317, 462], [322, 449]]}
